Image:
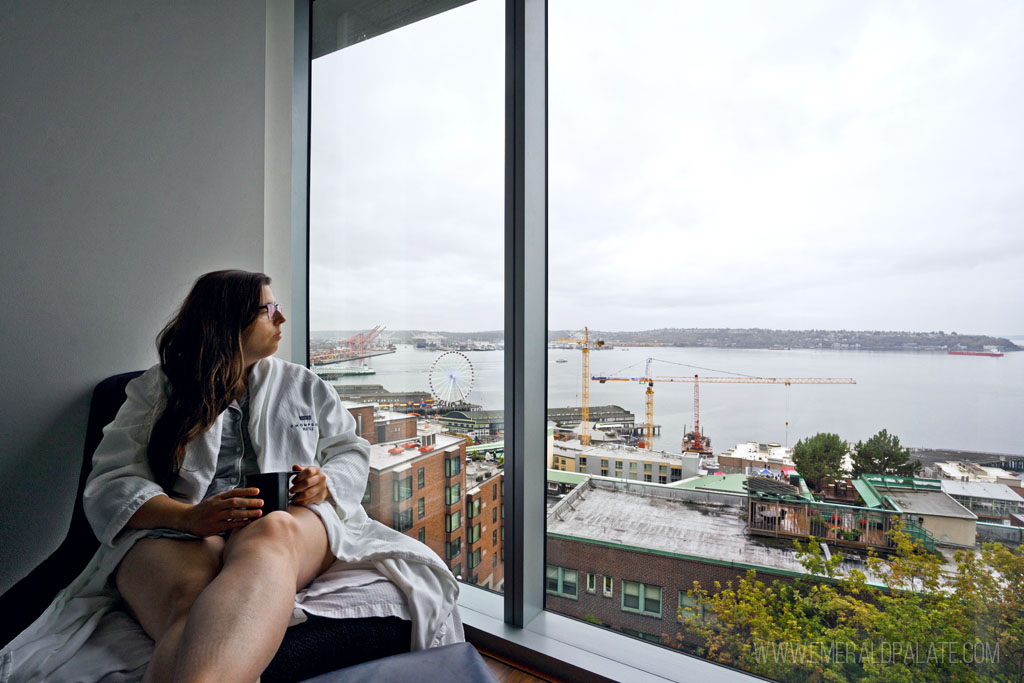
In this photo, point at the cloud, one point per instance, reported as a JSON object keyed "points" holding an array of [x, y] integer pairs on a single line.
{"points": [[850, 165]]}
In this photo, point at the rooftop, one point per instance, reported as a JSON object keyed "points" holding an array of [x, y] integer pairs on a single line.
{"points": [[479, 471], [934, 503], [618, 514], [619, 452], [381, 457], [720, 483], [981, 489]]}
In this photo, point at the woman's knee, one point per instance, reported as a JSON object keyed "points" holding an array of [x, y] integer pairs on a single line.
{"points": [[277, 532]]}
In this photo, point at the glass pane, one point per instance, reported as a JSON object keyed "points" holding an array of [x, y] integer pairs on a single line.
{"points": [[785, 264], [406, 283]]}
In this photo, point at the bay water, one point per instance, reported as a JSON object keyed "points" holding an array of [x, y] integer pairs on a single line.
{"points": [[929, 400]]}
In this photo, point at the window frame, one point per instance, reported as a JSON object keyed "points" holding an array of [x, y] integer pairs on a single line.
{"points": [[641, 598], [516, 619]]}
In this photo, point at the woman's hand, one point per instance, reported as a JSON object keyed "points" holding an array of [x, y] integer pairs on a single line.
{"points": [[309, 486], [227, 510]]}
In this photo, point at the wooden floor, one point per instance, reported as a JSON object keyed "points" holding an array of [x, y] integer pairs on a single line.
{"points": [[509, 674]]}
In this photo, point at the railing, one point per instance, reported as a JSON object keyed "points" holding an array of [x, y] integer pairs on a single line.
{"points": [[791, 517]]}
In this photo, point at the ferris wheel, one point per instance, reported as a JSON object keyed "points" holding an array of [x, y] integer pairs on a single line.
{"points": [[451, 378]]}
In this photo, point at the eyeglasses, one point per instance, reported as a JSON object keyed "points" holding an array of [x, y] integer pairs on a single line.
{"points": [[271, 309]]}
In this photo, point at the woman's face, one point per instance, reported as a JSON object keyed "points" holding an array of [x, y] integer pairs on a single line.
{"points": [[262, 337]]}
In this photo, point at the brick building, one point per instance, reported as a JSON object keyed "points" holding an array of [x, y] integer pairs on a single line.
{"points": [[417, 485], [485, 525], [625, 553]]}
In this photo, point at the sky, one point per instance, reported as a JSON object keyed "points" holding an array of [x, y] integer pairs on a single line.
{"points": [[791, 165]]}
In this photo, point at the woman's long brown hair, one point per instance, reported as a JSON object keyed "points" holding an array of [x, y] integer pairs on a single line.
{"points": [[201, 354]]}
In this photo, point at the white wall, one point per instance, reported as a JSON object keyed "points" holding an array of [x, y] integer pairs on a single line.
{"points": [[132, 160]]}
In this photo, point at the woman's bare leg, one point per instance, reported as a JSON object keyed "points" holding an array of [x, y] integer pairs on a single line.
{"points": [[160, 579], [237, 623]]}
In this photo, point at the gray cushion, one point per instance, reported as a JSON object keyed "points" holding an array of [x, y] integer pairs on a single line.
{"points": [[458, 662]]}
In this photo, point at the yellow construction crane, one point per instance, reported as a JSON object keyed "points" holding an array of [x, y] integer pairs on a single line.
{"points": [[697, 439], [585, 345]]}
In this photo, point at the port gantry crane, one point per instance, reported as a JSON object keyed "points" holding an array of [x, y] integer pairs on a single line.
{"points": [[585, 345], [698, 442]]}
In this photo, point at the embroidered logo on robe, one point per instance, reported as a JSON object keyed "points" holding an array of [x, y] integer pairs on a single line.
{"points": [[306, 423]]}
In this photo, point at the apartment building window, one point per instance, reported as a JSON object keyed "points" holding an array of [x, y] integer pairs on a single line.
{"points": [[474, 508], [452, 521], [647, 468], [560, 581], [457, 570], [591, 583], [452, 466], [402, 488], [494, 515], [474, 533], [452, 548], [494, 492], [677, 473], [452, 494], [583, 462], [421, 535], [474, 559], [604, 464], [494, 537], [494, 560], [639, 597], [403, 520], [420, 478], [421, 508], [609, 587]]}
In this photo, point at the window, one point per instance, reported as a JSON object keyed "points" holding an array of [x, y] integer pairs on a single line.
{"points": [[494, 492], [403, 520], [583, 462], [647, 467], [452, 466], [452, 494], [457, 570], [609, 587], [561, 581], [494, 537], [474, 508], [638, 597], [474, 534], [474, 559], [421, 535], [452, 548], [452, 521], [591, 583], [421, 508], [448, 166], [494, 515], [403, 488]]}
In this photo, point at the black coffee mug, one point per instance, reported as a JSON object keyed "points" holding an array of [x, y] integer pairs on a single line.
{"points": [[273, 488]]}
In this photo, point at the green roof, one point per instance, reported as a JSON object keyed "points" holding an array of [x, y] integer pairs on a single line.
{"points": [[868, 493], [566, 477], [493, 446], [720, 483]]}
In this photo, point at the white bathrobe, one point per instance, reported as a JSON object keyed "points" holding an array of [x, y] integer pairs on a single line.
{"points": [[295, 418]]}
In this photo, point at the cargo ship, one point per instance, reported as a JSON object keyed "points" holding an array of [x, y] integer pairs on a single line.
{"points": [[992, 354]]}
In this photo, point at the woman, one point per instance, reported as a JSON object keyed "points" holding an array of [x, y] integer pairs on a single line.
{"points": [[210, 578]]}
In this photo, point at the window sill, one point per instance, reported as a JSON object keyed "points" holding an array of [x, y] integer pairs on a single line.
{"points": [[573, 650]]}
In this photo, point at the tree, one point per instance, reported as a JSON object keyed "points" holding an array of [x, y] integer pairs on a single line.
{"points": [[820, 456], [882, 454], [913, 621]]}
